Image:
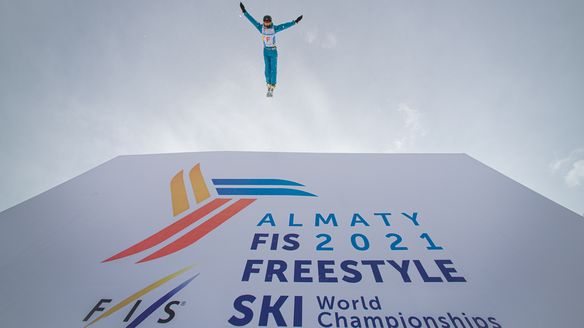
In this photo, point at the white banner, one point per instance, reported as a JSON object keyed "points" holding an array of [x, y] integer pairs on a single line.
{"points": [[237, 239]]}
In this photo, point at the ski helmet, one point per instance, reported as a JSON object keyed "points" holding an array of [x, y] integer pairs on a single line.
{"points": [[268, 18]]}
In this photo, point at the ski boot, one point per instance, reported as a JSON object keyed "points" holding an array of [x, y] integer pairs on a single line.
{"points": [[270, 90]]}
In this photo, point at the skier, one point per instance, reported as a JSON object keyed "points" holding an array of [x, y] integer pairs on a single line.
{"points": [[268, 31]]}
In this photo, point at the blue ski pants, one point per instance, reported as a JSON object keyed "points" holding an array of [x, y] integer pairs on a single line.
{"points": [[271, 61]]}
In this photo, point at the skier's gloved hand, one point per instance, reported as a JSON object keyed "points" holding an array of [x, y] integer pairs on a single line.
{"points": [[298, 19], [242, 7]]}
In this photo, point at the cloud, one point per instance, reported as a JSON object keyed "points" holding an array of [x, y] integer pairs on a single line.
{"points": [[325, 40], [571, 168], [310, 37], [562, 163], [411, 119], [412, 128], [575, 176]]}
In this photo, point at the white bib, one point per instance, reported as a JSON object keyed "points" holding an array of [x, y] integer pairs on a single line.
{"points": [[269, 36]]}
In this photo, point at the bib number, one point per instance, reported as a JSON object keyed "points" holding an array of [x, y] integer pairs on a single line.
{"points": [[268, 41], [268, 36]]}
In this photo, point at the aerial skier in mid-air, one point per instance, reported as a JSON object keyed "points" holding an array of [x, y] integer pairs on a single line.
{"points": [[268, 31]]}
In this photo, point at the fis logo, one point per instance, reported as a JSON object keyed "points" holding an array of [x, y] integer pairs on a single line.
{"points": [[135, 320], [233, 196]]}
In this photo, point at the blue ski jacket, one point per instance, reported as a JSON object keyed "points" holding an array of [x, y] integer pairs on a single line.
{"points": [[268, 34]]}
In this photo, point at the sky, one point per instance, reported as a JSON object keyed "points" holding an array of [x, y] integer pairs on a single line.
{"points": [[84, 81]]}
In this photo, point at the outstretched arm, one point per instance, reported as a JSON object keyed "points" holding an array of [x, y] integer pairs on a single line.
{"points": [[284, 26], [249, 17]]}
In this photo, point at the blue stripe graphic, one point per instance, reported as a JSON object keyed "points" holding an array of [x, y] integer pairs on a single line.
{"points": [[255, 182], [158, 303], [263, 192]]}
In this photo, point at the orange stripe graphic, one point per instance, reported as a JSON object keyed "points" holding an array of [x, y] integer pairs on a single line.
{"points": [[200, 231], [198, 183], [178, 192]]}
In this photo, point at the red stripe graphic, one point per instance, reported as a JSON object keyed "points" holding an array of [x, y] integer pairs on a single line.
{"points": [[172, 229], [200, 231]]}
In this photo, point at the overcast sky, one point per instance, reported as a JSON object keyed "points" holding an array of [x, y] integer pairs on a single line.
{"points": [[84, 81]]}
